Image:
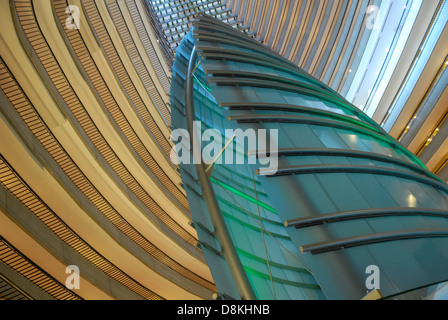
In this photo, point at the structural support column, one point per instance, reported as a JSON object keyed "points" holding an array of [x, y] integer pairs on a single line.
{"points": [[221, 232]]}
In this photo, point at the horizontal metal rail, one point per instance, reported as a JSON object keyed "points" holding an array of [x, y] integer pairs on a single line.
{"points": [[243, 43], [233, 74], [329, 169], [351, 242], [348, 153], [256, 59], [284, 66], [366, 214], [226, 32], [300, 109], [325, 123], [295, 89]]}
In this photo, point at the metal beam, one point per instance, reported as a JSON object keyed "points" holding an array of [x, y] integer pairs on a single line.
{"points": [[229, 253]]}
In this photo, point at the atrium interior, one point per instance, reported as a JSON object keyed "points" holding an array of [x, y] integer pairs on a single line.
{"points": [[93, 96]]}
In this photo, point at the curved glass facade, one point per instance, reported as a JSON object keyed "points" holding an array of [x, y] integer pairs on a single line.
{"points": [[347, 202]]}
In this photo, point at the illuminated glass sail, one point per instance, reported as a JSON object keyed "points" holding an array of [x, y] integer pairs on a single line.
{"points": [[345, 199]]}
